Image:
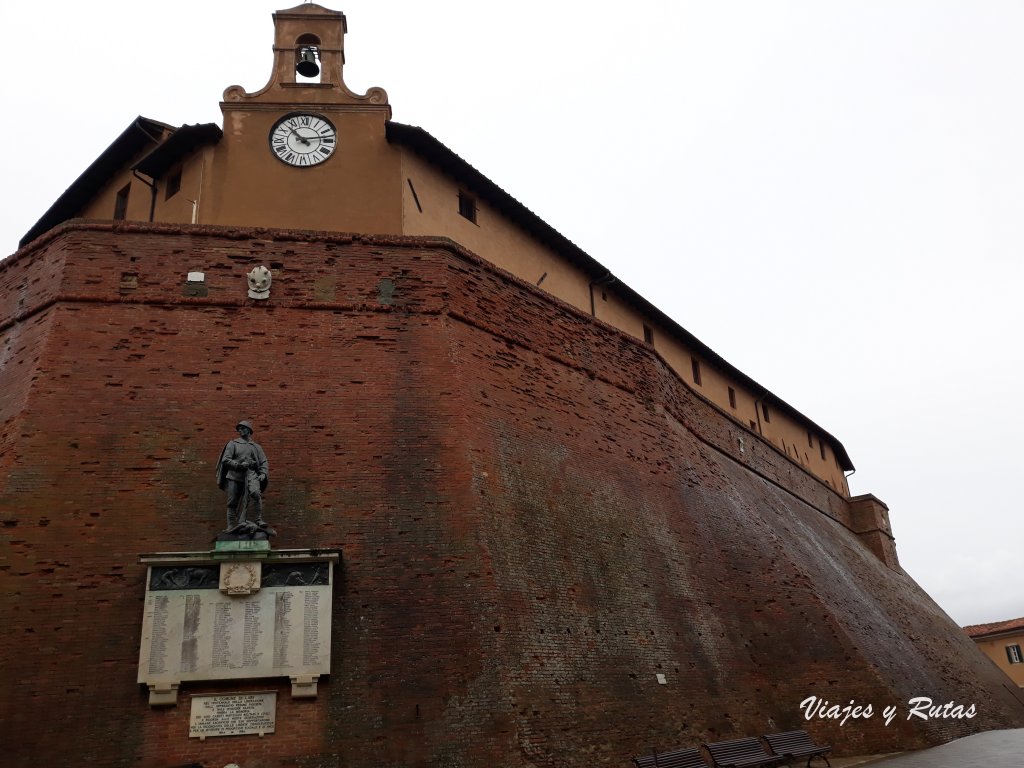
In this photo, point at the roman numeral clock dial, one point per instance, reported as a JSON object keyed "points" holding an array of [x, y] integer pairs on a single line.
{"points": [[303, 140]]}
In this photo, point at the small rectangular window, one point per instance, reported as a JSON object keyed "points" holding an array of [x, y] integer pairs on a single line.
{"points": [[648, 333], [121, 202], [821, 445], [810, 439], [173, 184], [1013, 654], [732, 398], [467, 207], [764, 412], [753, 425], [695, 367]]}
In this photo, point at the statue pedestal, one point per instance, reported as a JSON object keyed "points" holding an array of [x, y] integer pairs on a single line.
{"points": [[240, 611], [233, 547]]}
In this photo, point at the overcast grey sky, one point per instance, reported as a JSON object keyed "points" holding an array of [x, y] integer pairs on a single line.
{"points": [[827, 192]]}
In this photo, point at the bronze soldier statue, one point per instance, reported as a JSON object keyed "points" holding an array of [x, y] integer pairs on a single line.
{"points": [[243, 472]]}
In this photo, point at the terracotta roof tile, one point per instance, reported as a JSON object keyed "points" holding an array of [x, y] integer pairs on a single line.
{"points": [[980, 630]]}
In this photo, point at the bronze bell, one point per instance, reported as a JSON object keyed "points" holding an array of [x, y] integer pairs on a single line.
{"points": [[307, 66]]}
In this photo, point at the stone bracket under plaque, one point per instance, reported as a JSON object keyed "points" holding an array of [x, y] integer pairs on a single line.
{"points": [[232, 616], [304, 687], [163, 694]]}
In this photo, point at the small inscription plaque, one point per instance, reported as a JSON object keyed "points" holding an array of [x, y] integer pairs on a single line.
{"points": [[233, 715]]}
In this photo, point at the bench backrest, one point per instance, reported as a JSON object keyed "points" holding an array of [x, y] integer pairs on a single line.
{"points": [[790, 740], [726, 752], [680, 758]]}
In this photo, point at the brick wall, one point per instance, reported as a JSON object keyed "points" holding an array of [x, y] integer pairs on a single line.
{"points": [[536, 517]]}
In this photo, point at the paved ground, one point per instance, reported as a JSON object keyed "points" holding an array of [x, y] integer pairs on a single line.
{"points": [[848, 762], [991, 749]]}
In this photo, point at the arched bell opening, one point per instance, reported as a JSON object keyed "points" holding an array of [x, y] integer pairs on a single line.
{"points": [[307, 59]]}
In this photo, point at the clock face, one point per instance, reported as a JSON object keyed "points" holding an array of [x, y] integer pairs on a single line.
{"points": [[302, 139]]}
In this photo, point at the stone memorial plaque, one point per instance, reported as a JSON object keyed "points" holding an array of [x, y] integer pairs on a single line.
{"points": [[192, 630], [233, 714]]}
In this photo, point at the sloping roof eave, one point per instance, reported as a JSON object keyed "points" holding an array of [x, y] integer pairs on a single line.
{"points": [[140, 132], [184, 139], [432, 150]]}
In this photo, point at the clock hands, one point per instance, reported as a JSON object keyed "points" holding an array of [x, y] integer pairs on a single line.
{"points": [[304, 139]]}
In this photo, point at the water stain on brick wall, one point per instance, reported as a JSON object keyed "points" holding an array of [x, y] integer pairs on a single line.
{"points": [[537, 517]]}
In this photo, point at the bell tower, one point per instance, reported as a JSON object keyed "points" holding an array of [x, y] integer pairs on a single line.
{"points": [[309, 43], [305, 151]]}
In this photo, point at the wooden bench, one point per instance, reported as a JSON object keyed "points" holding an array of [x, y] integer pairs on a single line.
{"points": [[797, 744], [740, 753], [680, 758]]}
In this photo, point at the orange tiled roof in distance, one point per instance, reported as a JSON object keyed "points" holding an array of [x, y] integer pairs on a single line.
{"points": [[980, 630]]}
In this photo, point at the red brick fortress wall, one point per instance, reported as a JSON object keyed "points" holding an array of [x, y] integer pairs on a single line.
{"points": [[536, 518]]}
